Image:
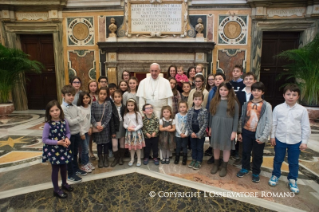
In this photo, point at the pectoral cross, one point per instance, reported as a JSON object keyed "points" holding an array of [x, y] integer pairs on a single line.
{"points": [[153, 95]]}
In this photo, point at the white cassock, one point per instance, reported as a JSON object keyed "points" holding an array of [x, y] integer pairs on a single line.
{"points": [[156, 92]]}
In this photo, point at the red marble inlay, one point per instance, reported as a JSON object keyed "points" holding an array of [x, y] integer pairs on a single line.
{"points": [[82, 65], [227, 63]]}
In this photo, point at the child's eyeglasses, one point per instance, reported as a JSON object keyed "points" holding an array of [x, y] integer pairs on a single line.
{"points": [[148, 108], [76, 82]]}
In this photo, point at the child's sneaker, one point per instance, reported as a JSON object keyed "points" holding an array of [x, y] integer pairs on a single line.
{"points": [[86, 169], [156, 162], [81, 172], [75, 178], [242, 172], [145, 162], [292, 184], [192, 164], [273, 180], [197, 165], [255, 178], [91, 166]]}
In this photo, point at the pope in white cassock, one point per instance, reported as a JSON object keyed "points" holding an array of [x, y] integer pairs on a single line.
{"points": [[155, 90]]}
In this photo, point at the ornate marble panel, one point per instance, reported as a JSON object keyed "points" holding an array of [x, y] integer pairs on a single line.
{"points": [[233, 29], [228, 58], [82, 63], [80, 31]]}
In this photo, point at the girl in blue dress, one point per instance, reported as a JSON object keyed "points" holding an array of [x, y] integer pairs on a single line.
{"points": [[56, 135]]}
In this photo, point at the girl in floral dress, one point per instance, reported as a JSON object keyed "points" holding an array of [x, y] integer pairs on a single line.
{"points": [[134, 138], [56, 135]]}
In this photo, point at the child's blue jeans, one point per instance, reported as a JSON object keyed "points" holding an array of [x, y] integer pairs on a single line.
{"points": [[293, 159], [250, 145], [181, 144], [85, 149], [197, 148]]}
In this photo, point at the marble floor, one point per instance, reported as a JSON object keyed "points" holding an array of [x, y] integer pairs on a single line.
{"points": [[25, 182]]}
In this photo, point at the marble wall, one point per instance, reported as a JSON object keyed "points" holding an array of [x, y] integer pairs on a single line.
{"points": [[231, 29], [82, 63], [228, 58]]}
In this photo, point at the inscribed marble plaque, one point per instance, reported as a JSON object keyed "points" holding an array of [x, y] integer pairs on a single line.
{"points": [[156, 18]]}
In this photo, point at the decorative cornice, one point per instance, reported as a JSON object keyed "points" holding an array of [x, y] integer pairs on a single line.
{"points": [[93, 3], [32, 5], [281, 3], [180, 47]]}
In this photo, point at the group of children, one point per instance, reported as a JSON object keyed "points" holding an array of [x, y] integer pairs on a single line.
{"points": [[225, 110]]}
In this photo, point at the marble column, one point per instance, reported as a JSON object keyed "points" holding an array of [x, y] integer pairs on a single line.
{"points": [[19, 94], [255, 56]]}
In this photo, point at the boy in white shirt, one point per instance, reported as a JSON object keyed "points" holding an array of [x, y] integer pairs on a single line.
{"points": [[291, 131]]}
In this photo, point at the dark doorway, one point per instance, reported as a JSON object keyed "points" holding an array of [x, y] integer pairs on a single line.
{"points": [[273, 44], [40, 88]]}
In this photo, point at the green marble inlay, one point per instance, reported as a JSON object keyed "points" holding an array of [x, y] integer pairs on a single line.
{"points": [[92, 73], [71, 73], [129, 192], [69, 20], [81, 52], [243, 41], [220, 40], [71, 42], [244, 18], [221, 18], [90, 19], [231, 52], [91, 42]]}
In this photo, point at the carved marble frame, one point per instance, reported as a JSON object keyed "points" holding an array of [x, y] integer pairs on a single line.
{"points": [[257, 28], [126, 26], [11, 32]]}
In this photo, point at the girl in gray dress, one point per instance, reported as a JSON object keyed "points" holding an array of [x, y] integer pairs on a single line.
{"points": [[224, 110], [101, 113]]}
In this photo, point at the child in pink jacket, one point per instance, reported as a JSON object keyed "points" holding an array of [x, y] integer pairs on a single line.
{"points": [[180, 76]]}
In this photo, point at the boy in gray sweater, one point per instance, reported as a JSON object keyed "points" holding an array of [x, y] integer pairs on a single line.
{"points": [[254, 129], [73, 117]]}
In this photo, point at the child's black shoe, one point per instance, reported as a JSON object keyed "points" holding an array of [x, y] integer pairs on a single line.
{"points": [[60, 194], [68, 187]]}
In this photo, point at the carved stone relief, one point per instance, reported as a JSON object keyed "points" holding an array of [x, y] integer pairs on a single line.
{"points": [[232, 29], [32, 16], [286, 12], [80, 31]]}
